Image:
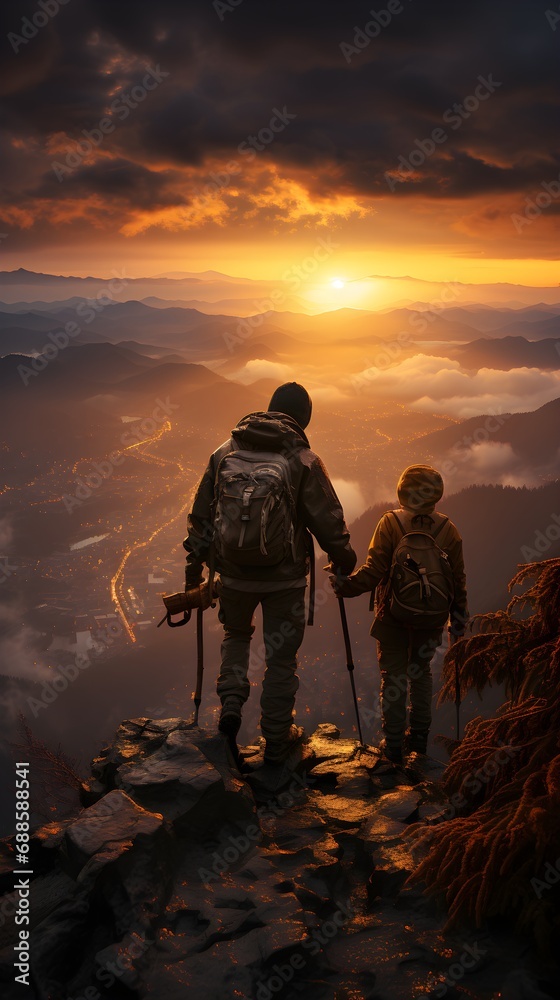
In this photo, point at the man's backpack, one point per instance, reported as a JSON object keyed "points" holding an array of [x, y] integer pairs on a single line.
{"points": [[421, 588], [254, 509]]}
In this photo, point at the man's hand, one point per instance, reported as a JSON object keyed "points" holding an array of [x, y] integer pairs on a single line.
{"points": [[195, 581], [199, 596]]}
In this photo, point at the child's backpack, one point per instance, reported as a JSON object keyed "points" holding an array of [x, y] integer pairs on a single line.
{"points": [[254, 509], [420, 588]]}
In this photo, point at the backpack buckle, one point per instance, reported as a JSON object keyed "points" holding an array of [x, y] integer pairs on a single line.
{"points": [[425, 582], [245, 508]]}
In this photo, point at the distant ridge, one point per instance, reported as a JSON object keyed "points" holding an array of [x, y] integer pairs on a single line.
{"points": [[376, 292]]}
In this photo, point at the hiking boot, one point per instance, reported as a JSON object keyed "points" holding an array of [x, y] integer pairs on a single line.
{"points": [[230, 718], [276, 751], [416, 742], [391, 752]]}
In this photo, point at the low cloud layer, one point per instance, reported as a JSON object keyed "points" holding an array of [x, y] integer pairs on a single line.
{"points": [[495, 463], [351, 498], [18, 647], [257, 369], [439, 385]]}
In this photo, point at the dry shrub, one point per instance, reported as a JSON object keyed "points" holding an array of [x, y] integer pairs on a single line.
{"points": [[504, 776]]}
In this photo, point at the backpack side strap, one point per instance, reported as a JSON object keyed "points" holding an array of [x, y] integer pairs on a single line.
{"points": [[441, 525], [398, 520]]}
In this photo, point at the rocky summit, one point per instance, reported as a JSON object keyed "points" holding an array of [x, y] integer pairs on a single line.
{"points": [[192, 874]]}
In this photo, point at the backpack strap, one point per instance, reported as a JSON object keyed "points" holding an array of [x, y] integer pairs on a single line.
{"points": [[211, 563], [217, 474], [398, 520], [441, 525]]}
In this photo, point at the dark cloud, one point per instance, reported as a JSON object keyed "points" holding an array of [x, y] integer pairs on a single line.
{"points": [[355, 118], [127, 183]]}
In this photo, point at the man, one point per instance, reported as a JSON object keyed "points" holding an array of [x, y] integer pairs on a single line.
{"points": [[405, 649], [286, 492]]}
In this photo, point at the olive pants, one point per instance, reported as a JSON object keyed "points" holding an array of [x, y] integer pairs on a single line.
{"points": [[405, 658], [283, 630]]}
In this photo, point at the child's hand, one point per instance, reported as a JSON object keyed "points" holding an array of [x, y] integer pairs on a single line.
{"points": [[337, 580]]}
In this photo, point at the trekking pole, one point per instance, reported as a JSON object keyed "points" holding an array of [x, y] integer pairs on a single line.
{"points": [[452, 641], [350, 662], [197, 698]]}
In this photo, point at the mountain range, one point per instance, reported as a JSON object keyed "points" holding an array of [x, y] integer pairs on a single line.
{"points": [[238, 295], [353, 339]]}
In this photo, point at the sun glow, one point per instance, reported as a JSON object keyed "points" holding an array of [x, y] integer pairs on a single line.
{"points": [[341, 293]]}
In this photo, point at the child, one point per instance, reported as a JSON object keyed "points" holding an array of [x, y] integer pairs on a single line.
{"points": [[407, 630]]}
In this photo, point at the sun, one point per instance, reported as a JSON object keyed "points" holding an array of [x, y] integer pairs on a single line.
{"points": [[338, 283]]}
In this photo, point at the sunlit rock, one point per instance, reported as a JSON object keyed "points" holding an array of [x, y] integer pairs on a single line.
{"points": [[191, 879], [112, 824]]}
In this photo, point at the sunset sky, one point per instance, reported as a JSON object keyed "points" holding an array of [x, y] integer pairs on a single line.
{"points": [[171, 92]]}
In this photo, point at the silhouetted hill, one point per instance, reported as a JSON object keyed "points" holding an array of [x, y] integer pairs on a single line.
{"points": [[27, 384], [500, 318], [103, 363], [280, 341], [43, 322], [355, 323], [510, 352], [21, 276], [533, 328], [16, 339], [86, 392], [77, 369], [534, 436], [151, 350], [426, 325], [31, 440], [167, 378], [139, 319]]}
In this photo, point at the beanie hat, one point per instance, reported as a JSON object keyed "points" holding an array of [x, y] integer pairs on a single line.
{"points": [[293, 400], [420, 488]]}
